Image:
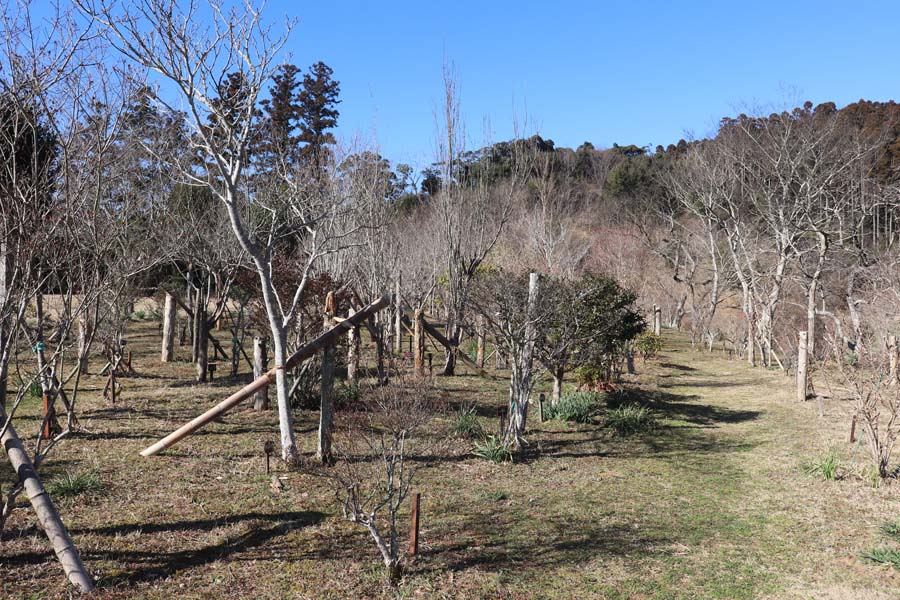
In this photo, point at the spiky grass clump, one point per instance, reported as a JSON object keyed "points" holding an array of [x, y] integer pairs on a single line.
{"points": [[69, 484], [885, 556], [579, 407], [467, 424], [630, 419], [826, 467], [493, 449]]}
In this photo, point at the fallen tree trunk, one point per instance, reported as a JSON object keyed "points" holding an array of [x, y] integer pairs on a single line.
{"points": [[45, 510], [267, 378]]}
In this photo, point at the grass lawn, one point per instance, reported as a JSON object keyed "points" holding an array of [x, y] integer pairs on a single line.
{"points": [[713, 503]]}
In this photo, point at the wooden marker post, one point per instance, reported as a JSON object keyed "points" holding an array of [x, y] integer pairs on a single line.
{"points": [[47, 429], [260, 366], [541, 399], [657, 319], [414, 524], [802, 379], [168, 329]]}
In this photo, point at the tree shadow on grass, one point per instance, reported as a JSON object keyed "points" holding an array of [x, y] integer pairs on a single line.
{"points": [[259, 541], [484, 541]]}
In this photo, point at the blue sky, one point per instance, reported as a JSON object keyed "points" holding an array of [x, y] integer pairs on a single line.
{"points": [[605, 72]]}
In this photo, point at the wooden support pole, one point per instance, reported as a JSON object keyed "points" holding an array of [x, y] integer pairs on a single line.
{"points": [[479, 348], [398, 318], [802, 378], [44, 509], [657, 320], [326, 399], [414, 524], [352, 352], [84, 332], [853, 430], [47, 429], [168, 333], [541, 399], [260, 366], [295, 359]]}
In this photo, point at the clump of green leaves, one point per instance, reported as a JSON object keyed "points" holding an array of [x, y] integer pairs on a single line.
{"points": [[579, 407], [648, 344], [891, 530], [467, 424], [826, 466], [629, 419], [886, 556], [69, 484], [493, 449]]}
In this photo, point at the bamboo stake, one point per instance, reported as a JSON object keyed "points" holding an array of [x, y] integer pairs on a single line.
{"points": [[267, 378]]}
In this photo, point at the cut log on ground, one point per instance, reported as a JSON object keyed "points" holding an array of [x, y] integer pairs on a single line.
{"points": [[295, 359]]}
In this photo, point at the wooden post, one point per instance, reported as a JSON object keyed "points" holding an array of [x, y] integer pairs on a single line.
{"points": [[352, 352], [418, 343], [326, 400], [853, 430], [44, 509], [235, 356], [541, 399], [414, 524], [245, 392], [260, 366], [112, 384], [892, 360], [802, 379], [657, 320], [130, 367], [430, 365], [398, 318], [479, 348], [47, 429], [168, 334]]}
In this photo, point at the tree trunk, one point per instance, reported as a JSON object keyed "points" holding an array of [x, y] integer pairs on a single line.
{"points": [[450, 361], [202, 346], [520, 380], [893, 376], [479, 348], [260, 366], [352, 352], [84, 335], [326, 407], [45, 511], [418, 344], [558, 375], [168, 333]]}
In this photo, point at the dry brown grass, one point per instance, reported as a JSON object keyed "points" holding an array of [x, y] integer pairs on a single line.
{"points": [[711, 505]]}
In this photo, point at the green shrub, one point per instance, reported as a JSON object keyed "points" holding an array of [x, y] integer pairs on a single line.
{"points": [[629, 419], [139, 315], [886, 556], [493, 449], [578, 407], [71, 484], [35, 390], [648, 344], [825, 466], [467, 424]]}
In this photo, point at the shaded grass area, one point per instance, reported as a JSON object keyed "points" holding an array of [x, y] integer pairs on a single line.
{"points": [[712, 503]]}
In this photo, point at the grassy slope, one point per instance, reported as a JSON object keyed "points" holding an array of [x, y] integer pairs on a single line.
{"points": [[711, 505]]}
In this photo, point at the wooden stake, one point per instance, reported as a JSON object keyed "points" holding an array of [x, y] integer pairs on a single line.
{"points": [[853, 430], [479, 348], [414, 525], [541, 399], [168, 334], [418, 343], [326, 400], [260, 366], [657, 319], [295, 359], [893, 375], [802, 380], [47, 429], [352, 352]]}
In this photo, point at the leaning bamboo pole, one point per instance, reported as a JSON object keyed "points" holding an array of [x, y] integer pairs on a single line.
{"points": [[267, 378], [45, 510]]}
